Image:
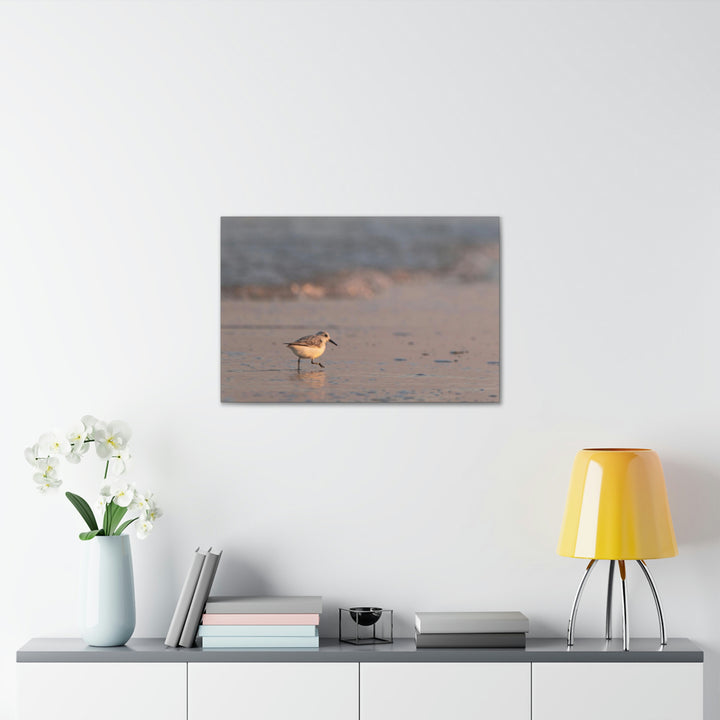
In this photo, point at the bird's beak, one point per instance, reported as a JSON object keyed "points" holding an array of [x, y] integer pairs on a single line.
{"points": [[333, 342]]}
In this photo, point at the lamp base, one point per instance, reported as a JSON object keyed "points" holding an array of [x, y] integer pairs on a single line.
{"points": [[608, 610]]}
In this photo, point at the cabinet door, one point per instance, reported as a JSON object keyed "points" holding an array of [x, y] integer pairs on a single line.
{"points": [[444, 691], [272, 691], [111, 691], [621, 691]]}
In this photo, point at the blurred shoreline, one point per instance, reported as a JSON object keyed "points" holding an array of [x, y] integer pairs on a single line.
{"points": [[472, 265], [351, 257]]}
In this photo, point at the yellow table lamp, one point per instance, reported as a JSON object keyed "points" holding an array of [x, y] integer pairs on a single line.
{"points": [[617, 509]]}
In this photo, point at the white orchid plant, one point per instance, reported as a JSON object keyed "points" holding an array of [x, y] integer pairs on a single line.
{"points": [[116, 500]]}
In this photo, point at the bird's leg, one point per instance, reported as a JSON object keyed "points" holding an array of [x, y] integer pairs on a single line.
{"points": [[318, 363], [298, 364]]}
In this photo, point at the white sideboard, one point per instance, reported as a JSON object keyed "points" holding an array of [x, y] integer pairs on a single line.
{"points": [[63, 678], [288, 690], [598, 691], [111, 691], [461, 691]]}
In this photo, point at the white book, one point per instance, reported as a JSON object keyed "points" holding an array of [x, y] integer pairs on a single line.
{"points": [[471, 622]]}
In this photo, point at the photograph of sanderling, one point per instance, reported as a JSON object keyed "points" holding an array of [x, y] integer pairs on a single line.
{"points": [[360, 309]]}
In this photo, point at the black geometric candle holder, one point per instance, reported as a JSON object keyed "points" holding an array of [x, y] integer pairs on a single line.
{"points": [[365, 625]]}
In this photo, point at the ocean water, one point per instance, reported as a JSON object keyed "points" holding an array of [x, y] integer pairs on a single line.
{"points": [[280, 252]]}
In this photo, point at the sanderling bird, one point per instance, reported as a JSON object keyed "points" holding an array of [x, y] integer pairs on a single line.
{"points": [[311, 347]]}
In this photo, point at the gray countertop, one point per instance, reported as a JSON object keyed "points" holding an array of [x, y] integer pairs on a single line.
{"points": [[402, 650]]}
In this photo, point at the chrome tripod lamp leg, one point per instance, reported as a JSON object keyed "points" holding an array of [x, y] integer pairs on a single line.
{"points": [[656, 598], [608, 606], [576, 602], [625, 619]]}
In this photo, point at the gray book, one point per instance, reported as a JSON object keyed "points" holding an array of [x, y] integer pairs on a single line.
{"points": [[183, 604], [200, 596], [471, 622], [265, 605], [470, 640]]}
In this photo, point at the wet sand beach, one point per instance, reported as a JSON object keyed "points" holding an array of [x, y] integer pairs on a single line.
{"points": [[431, 340]]}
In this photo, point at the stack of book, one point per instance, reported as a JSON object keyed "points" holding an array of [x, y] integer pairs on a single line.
{"points": [[471, 629], [261, 622]]}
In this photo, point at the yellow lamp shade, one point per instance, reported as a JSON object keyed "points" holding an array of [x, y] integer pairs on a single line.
{"points": [[617, 507]]}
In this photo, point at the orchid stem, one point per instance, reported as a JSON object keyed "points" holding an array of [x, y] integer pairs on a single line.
{"points": [[107, 465]]}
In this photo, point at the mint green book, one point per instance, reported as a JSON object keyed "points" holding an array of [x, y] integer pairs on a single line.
{"points": [[258, 631], [242, 643]]}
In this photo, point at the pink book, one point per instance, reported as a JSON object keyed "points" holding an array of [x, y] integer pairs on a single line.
{"points": [[260, 619]]}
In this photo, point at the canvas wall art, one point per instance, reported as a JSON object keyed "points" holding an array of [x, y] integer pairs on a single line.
{"points": [[360, 309]]}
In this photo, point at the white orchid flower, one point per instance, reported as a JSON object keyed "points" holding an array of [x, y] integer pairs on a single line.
{"points": [[53, 443], [152, 512], [124, 496], [120, 463], [89, 421], [104, 498], [76, 453], [77, 433], [143, 528], [42, 479], [139, 504], [76, 436], [146, 507], [47, 476], [32, 455], [111, 438], [45, 483], [49, 466], [47, 472]]}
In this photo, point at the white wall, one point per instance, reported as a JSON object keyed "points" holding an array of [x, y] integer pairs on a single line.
{"points": [[128, 129]]}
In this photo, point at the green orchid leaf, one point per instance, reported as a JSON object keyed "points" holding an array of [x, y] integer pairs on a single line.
{"points": [[119, 515], [83, 508], [109, 522], [116, 515], [90, 534], [125, 525], [107, 517]]}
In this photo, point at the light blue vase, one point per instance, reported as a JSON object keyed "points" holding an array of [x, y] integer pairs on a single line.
{"points": [[107, 592]]}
